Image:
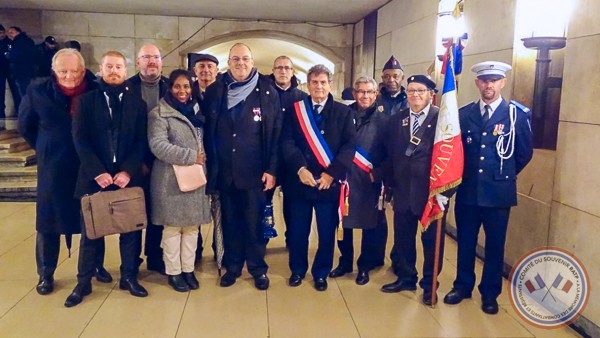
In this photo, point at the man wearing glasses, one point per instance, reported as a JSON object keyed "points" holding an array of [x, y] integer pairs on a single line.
{"points": [[151, 86], [364, 180], [392, 98], [242, 145], [410, 145]]}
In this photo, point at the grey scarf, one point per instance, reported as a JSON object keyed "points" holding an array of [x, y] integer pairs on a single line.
{"points": [[239, 91]]}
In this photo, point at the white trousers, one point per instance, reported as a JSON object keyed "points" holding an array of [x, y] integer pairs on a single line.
{"points": [[179, 248]]}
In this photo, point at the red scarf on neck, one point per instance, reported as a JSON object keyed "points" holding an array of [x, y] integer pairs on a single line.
{"points": [[73, 95]]}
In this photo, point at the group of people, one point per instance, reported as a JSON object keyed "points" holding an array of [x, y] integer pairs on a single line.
{"points": [[251, 133]]}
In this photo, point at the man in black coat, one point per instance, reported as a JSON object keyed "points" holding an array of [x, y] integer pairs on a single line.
{"points": [[44, 52], [45, 118], [109, 132], [21, 57], [149, 85], [318, 148], [392, 96], [410, 146], [489, 186], [286, 84], [243, 128], [4, 72], [365, 185]]}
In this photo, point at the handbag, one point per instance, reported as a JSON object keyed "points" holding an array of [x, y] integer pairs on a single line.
{"points": [[114, 212], [189, 177]]}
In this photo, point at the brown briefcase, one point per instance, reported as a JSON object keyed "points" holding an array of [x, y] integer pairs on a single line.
{"points": [[114, 212]]}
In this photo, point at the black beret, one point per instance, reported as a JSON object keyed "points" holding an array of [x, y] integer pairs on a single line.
{"points": [[392, 63], [423, 79]]}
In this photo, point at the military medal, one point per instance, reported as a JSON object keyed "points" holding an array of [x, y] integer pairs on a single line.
{"points": [[257, 114], [405, 122], [469, 140], [498, 129], [380, 108]]}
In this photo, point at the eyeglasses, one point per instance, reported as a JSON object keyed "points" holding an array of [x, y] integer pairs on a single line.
{"points": [[418, 91], [236, 59], [148, 57], [286, 68], [366, 92]]}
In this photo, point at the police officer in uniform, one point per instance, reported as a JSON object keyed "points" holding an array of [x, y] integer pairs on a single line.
{"points": [[392, 96], [497, 143]]}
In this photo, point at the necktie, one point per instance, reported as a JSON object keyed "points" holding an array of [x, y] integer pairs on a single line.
{"points": [[486, 115], [416, 125], [317, 114]]}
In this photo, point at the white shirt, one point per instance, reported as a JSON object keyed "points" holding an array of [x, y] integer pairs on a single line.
{"points": [[421, 118], [321, 104], [492, 105]]}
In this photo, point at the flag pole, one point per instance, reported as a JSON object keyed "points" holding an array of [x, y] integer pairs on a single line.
{"points": [[436, 261]]}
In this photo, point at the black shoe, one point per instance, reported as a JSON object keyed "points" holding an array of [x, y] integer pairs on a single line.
{"points": [[191, 280], [398, 286], [456, 296], [178, 283], [228, 279], [157, 266], [363, 277], [321, 284], [427, 298], [102, 275], [132, 285], [80, 291], [489, 306], [261, 282], [295, 280], [339, 271], [45, 285]]}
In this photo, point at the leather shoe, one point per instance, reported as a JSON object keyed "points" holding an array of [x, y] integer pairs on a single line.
{"points": [[80, 291], [45, 285], [456, 296], [339, 271], [157, 266], [427, 298], [321, 284], [398, 286], [261, 282], [489, 306], [363, 277], [102, 275], [178, 283], [191, 280], [228, 279], [295, 280], [132, 285]]}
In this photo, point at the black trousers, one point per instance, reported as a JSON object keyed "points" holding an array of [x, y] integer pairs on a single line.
{"points": [[405, 232], [469, 219], [372, 246], [89, 249], [47, 249], [299, 231], [153, 239], [242, 230]]}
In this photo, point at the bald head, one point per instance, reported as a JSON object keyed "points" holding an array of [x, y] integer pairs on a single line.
{"points": [[149, 63]]}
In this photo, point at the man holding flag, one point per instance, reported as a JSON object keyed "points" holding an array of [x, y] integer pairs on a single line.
{"points": [[411, 137]]}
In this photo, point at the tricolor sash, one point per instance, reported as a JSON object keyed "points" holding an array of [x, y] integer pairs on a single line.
{"points": [[361, 159], [311, 132]]}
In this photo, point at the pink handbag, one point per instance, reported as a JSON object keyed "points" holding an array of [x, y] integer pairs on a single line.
{"points": [[189, 177]]}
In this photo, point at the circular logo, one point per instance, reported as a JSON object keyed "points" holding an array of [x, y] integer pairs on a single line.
{"points": [[549, 287]]}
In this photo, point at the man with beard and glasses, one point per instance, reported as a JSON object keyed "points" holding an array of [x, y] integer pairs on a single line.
{"points": [[109, 133], [497, 142], [242, 146], [149, 85]]}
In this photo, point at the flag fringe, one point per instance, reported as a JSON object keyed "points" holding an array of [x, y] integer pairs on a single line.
{"points": [[448, 186]]}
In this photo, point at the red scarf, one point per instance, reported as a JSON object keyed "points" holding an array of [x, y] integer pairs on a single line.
{"points": [[73, 95]]}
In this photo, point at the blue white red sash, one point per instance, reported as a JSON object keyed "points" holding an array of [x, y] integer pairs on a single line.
{"points": [[361, 159], [311, 132]]}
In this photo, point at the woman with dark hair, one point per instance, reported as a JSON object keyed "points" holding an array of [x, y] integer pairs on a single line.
{"points": [[175, 134]]}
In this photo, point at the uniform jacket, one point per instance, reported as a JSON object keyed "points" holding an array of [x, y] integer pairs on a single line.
{"points": [[392, 105], [174, 140], [409, 176], [22, 57], [484, 184], [240, 152], [337, 127], [92, 130], [45, 123], [364, 194]]}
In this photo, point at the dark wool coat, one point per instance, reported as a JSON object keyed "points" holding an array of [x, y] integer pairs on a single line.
{"points": [[45, 123]]}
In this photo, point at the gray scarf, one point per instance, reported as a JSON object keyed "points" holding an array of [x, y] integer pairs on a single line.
{"points": [[239, 91]]}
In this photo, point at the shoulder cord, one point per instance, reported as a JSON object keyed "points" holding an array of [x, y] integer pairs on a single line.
{"points": [[509, 149]]}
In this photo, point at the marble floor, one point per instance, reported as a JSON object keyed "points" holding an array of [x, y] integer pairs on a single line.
{"points": [[345, 310]]}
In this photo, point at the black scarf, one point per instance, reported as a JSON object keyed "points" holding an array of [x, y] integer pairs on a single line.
{"points": [[186, 109], [113, 92]]}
